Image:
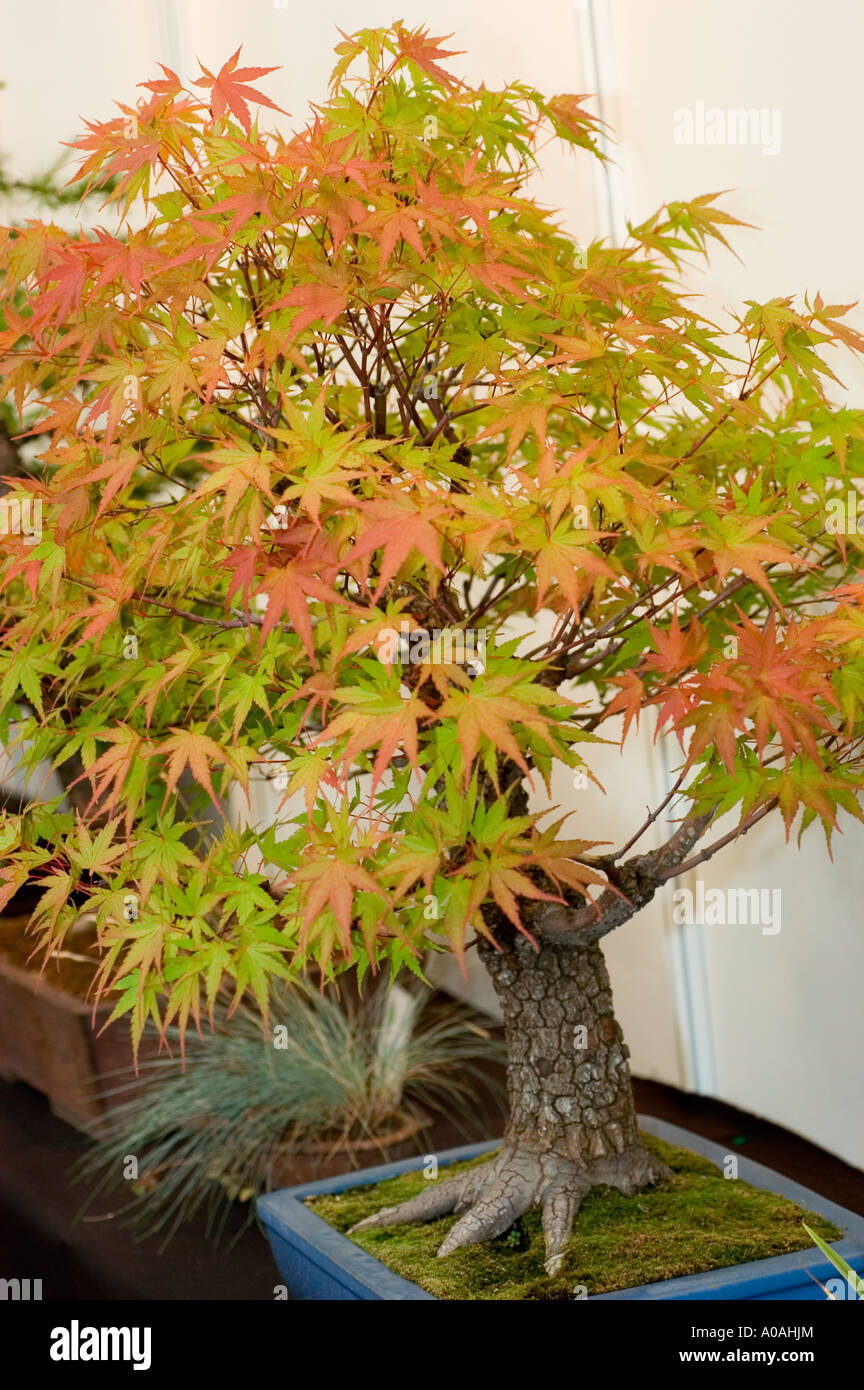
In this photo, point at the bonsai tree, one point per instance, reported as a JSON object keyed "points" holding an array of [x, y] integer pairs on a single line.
{"points": [[334, 422]]}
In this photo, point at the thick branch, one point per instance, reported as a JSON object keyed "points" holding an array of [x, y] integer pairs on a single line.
{"points": [[637, 879], [710, 850]]}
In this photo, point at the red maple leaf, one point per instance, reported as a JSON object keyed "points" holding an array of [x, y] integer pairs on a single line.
{"points": [[421, 47], [325, 302], [228, 90], [119, 260], [170, 85], [289, 590], [677, 648], [397, 529]]}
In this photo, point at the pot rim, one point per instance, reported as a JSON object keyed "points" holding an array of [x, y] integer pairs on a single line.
{"points": [[406, 1131]]}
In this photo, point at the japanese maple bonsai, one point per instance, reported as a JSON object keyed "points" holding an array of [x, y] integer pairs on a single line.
{"points": [[332, 414]]}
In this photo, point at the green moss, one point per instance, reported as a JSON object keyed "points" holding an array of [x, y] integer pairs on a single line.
{"points": [[695, 1221]]}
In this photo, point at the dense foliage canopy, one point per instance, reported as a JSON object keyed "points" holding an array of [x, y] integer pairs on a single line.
{"points": [[357, 382]]}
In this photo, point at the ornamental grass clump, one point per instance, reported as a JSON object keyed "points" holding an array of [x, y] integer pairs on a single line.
{"points": [[226, 1120]]}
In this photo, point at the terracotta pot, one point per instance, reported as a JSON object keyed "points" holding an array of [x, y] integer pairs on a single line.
{"points": [[326, 1159], [50, 1038]]}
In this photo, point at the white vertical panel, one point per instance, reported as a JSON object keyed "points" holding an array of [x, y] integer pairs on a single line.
{"points": [[782, 1009]]}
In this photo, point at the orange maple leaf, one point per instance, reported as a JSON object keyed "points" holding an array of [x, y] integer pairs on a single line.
{"points": [[186, 746], [387, 719], [331, 883], [485, 709], [228, 90], [397, 529], [677, 648], [324, 302], [420, 47]]}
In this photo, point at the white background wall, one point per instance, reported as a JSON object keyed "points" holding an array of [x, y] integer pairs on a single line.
{"points": [[781, 1010], [767, 1022]]}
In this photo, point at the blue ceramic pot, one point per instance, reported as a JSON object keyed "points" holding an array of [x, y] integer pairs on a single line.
{"points": [[316, 1262]]}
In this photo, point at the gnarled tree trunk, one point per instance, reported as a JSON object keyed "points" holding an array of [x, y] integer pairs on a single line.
{"points": [[567, 1073], [572, 1117]]}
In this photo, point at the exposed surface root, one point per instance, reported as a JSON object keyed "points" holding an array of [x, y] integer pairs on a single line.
{"points": [[438, 1199], [489, 1198]]}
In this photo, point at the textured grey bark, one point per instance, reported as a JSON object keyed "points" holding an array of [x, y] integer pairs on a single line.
{"points": [[637, 880], [572, 1117], [567, 1075]]}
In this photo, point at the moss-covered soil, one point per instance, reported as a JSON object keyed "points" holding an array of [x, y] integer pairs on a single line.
{"points": [[695, 1221]]}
